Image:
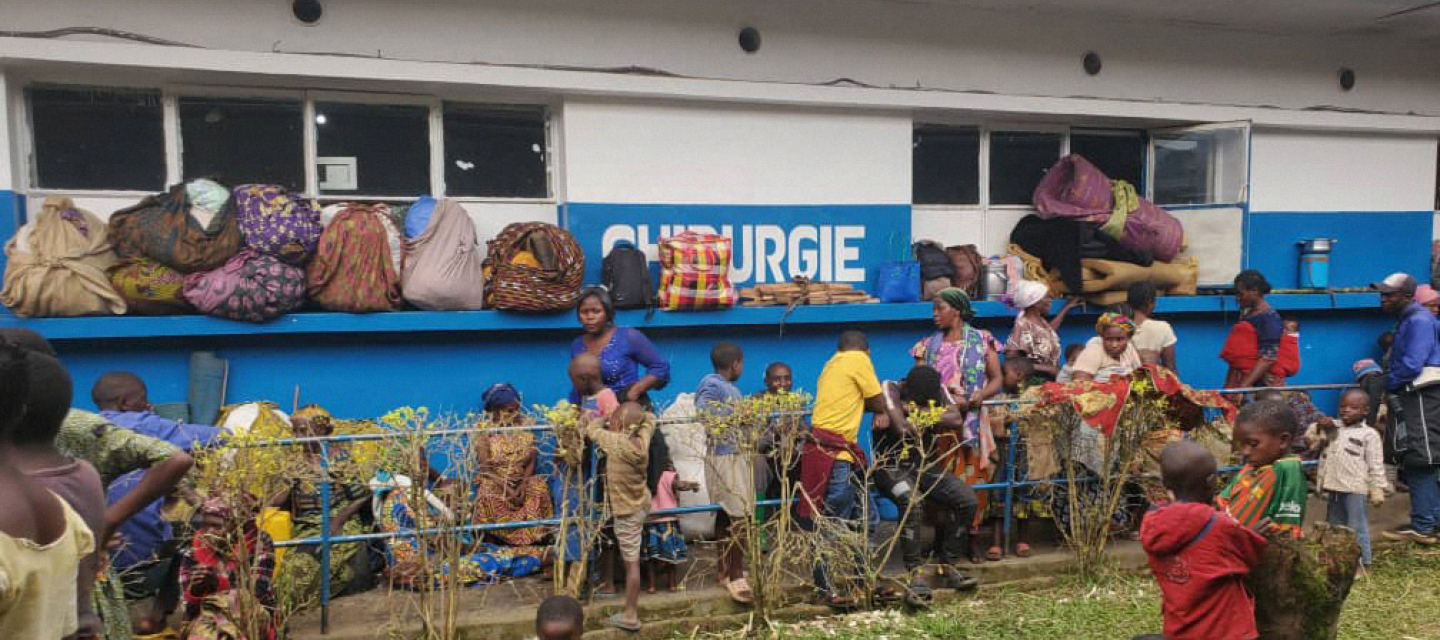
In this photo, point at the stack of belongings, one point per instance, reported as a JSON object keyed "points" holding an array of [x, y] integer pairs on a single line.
{"points": [[802, 291], [189, 229], [358, 262], [695, 272], [534, 267], [56, 265], [1095, 236], [444, 269]]}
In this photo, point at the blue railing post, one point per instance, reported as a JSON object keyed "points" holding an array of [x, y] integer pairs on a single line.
{"points": [[324, 537], [1009, 483]]}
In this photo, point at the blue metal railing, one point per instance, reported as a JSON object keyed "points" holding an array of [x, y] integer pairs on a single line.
{"points": [[326, 540]]}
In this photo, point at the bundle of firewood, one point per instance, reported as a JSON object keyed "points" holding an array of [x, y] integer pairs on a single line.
{"points": [[802, 291]]}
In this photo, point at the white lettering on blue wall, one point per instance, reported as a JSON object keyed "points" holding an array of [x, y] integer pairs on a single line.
{"points": [[765, 253]]}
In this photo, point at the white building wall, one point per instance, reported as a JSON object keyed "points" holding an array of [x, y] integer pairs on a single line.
{"points": [[1328, 172], [619, 152]]}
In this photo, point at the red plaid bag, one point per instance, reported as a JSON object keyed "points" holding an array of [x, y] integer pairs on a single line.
{"points": [[695, 272]]}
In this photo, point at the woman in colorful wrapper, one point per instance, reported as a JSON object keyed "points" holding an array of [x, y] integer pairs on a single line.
{"points": [[1034, 335], [507, 489], [969, 365], [226, 575]]}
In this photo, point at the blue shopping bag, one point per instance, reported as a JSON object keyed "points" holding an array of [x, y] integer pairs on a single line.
{"points": [[898, 282]]}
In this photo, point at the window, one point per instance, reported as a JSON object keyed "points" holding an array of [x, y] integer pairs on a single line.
{"points": [[495, 152], [372, 149], [1201, 165], [98, 139], [1120, 154], [1018, 159], [243, 141], [946, 166]]}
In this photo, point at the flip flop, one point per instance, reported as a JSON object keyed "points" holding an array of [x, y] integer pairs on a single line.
{"points": [[740, 591], [619, 622], [995, 554], [1022, 550], [919, 595]]}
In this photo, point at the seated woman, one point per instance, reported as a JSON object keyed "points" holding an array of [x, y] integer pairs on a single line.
{"points": [[506, 486], [351, 569], [1113, 355], [413, 561], [213, 567]]}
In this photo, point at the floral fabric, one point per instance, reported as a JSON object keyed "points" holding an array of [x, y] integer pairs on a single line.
{"points": [[251, 286], [353, 269], [277, 223]]}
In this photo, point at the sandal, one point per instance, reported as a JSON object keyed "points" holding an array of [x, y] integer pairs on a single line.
{"points": [[619, 622], [1022, 550], [919, 595], [995, 554], [958, 581], [740, 591], [838, 603]]}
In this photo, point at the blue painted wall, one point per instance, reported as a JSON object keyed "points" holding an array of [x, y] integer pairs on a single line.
{"points": [[12, 215], [1373, 244], [770, 243], [366, 374]]}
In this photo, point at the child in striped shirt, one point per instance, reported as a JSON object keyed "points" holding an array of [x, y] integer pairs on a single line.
{"points": [[1271, 485]]}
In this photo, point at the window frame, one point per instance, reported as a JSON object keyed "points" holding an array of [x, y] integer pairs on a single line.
{"points": [[173, 144], [986, 146], [1246, 131]]}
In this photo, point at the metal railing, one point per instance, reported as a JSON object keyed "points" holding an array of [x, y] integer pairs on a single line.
{"points": [[325, 541]]}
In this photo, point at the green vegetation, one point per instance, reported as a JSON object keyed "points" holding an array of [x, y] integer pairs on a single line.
{"points": [[1397, 601]]}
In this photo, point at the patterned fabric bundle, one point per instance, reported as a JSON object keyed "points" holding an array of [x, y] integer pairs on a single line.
{"points": [[251, 286], [533, 266], [1147, 227], [444, 271], [1074, 188], [150, 288], [695, 272], [56, 265], [277, 223], [169, 228], [354, 269]]}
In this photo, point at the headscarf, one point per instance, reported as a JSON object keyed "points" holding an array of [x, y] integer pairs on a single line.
{"points": [[1425, 294], [1112, 319], [1026, 293], [499, 395], [958, 300]]}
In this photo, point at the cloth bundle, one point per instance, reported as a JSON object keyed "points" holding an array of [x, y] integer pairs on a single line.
{"points": [[356, 267], [695, 272], [190, 228], [251, 286], [533, 266], [150, 288], [1075, 189], [444, 270], [277, 223], [56, 265]]}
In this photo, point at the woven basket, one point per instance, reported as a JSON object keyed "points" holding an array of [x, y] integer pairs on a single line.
{"points": [[522, 287]]}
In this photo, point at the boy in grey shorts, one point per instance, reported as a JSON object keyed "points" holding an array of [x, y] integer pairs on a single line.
{"points": [[625, 440]]}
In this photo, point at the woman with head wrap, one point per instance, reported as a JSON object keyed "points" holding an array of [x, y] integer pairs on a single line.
{"points": [[1035, 336], [228, 556], [506, 486], [969, 366], [1113, 354]]}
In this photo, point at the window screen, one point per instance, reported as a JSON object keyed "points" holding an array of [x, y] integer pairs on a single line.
{"points": [[373, 150], [495, 152], [243, 141], [946, 166], [1120, 154], [86, 138], [1017, 162]]}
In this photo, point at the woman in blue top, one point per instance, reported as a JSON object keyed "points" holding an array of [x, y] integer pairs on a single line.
{"points": [[1253, 347], [623, 351]]}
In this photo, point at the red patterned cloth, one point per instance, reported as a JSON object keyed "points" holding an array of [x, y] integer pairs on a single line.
{"points": [[1100, 402], [695, 272]]}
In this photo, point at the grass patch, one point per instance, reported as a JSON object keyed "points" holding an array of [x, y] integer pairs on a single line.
{"points": [[1398, 601]]}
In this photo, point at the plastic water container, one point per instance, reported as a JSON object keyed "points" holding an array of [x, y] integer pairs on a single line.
{"points": [[1315, 262]]}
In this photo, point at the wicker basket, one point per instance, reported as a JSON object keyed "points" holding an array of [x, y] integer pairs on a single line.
{"points": [[523, 287]]}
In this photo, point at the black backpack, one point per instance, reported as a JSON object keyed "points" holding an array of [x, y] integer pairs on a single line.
{"points": [[626, 273], [934, 262]]}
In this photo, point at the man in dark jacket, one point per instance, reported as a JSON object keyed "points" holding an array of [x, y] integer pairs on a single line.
{"points": [[1414, 385]]}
